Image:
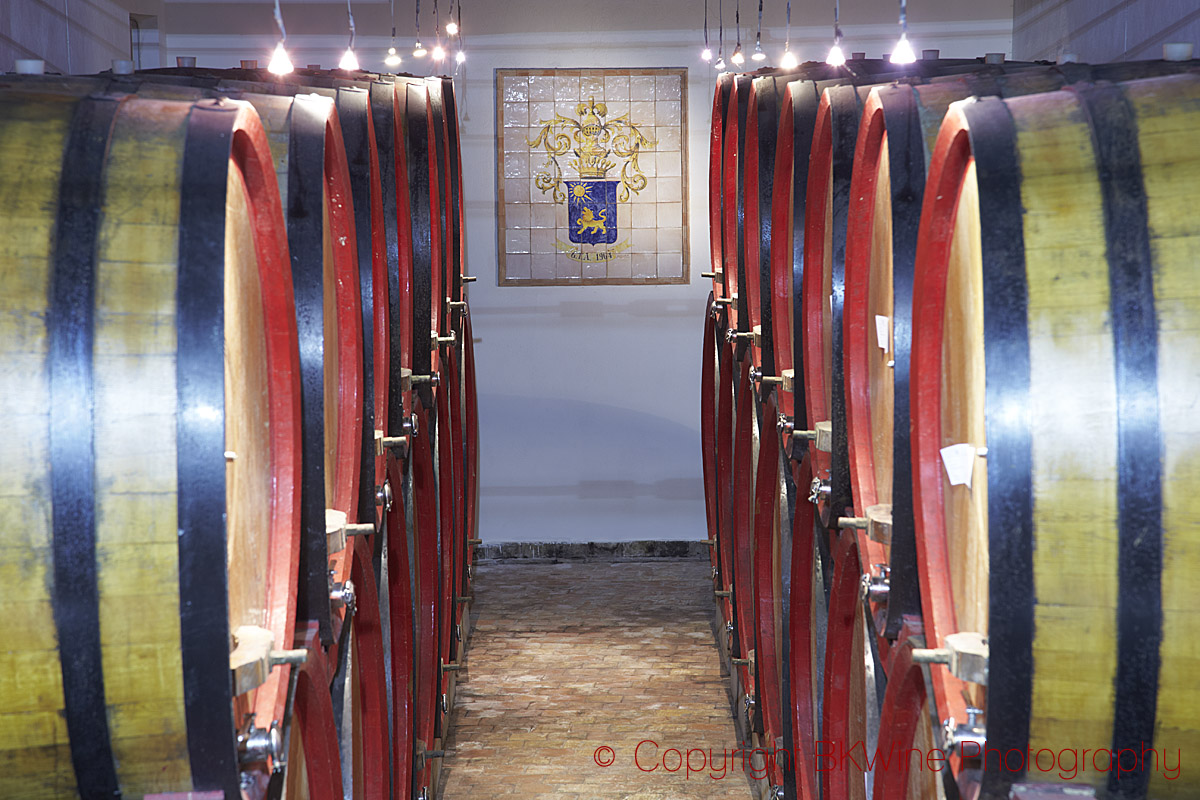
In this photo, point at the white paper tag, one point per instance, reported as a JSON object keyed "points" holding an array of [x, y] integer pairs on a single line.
{"points": [[959, 460], [882, 329]]}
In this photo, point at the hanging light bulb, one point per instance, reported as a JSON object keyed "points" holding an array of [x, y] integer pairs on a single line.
{"points": [[393, 58], [788, 60], [438, 52], [280, 64], [836, 57], [349, 60], [759, 55], [460, 57], [706, 53], [720, 65], [903, 52], [737, 58], [419, 50]]}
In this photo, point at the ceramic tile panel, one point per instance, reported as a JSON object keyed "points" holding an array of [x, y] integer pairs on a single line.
{"points": [[591, 176]]}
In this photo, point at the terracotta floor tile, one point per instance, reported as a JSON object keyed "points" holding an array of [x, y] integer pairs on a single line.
{"points": [[568, 659]]}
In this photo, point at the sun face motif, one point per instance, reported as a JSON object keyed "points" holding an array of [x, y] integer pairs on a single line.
{"points": [[580, 191]]}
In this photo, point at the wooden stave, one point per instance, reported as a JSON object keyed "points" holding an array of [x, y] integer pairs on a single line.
{"points": [[291, 90], [216, 123], [979, 131], [915, 113]]}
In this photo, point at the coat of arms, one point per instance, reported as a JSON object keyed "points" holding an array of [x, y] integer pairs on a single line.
{"points": [[592, 198]]}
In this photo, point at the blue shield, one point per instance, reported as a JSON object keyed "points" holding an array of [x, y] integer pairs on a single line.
{"points": [[592, 211]]}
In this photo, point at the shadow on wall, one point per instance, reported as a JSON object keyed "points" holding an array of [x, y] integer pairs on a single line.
{"points": [[542, 457]]}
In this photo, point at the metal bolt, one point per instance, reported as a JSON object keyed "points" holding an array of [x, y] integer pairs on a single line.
{"points": [[432, 380], [259, 744], [469, 279], [819, 490], [383, 496], [343, 594]]}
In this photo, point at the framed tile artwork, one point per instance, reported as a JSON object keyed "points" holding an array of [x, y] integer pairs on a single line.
{"points": [[591, 176]]}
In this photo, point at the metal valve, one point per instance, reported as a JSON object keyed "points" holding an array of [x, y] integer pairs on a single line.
{"points": [[733, 336], [757, 376], [821, 436], [398, 444], [877, 523], [971, 732], [257, 745], [342, 594], [966, 653], [875, 588], [383, 496], [254, 656]]}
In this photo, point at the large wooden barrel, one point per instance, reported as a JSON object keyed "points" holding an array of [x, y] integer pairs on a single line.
{"points": [[425, 259], [1055, 328], [884, 207], [154, 403], [357, 122], [310, 162]]}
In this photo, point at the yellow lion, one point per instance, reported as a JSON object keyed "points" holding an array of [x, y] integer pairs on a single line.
{"points": [[589, 221]]}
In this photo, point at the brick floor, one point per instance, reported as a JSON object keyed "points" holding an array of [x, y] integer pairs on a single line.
{"points": [[568, 658]]}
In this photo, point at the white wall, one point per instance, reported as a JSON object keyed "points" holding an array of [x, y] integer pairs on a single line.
{"points": [[71, 36], [1103, 30], [589, 396]]}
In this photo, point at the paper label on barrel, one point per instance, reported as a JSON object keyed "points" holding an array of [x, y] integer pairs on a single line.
{"points": [[959, 461], [882, 329]]}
